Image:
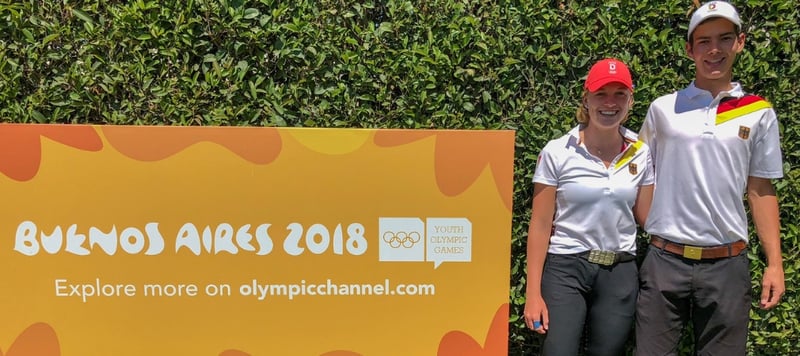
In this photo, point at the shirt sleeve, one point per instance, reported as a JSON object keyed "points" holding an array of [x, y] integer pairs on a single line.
{"points": [[546, 168], [648, 131], [766, 160]]}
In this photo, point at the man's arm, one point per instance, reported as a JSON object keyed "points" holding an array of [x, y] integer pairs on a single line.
{"points": [[641, 208], [764, 207]]}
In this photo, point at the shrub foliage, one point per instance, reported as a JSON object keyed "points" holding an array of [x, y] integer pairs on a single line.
{"points": [[459, 64]]}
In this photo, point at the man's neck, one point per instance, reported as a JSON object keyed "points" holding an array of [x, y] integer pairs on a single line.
{"points": [[715, 86]]}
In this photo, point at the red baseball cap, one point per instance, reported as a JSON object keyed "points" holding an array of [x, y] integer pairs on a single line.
{"points": [[606, 71]]}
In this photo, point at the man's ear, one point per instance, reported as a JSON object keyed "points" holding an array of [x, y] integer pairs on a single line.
{"points": [[688, 49], [740, 42]]}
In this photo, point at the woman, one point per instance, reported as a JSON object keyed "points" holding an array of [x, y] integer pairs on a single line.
{"points": [[591, 187]]}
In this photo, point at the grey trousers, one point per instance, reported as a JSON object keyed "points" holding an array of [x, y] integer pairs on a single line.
{"points": [[713, 294], [580, 295]]}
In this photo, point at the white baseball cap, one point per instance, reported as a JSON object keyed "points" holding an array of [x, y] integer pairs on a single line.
{"points": [[712, 9]]}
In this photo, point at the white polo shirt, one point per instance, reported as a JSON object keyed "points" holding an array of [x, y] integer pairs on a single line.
{"points": [[593, 203], [704, 149]]}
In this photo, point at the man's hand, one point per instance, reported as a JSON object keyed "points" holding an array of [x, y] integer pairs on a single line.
{"points": [[772, 287]]}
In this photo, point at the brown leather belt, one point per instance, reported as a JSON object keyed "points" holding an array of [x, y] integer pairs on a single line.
{"points": [[699, 252]]}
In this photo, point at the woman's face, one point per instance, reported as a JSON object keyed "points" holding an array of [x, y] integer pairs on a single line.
{"points": [[609, 105]]}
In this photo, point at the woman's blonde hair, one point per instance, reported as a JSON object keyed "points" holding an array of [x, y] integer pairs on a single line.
{"points": [[583, 112]]}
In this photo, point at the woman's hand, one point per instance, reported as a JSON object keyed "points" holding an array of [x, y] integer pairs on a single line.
{"points": [[536, 314]]}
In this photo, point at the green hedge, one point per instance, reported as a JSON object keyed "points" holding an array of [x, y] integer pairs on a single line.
{"points": [[474, 64]]}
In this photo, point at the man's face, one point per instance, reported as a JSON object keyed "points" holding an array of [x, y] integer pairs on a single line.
{"points": [[714, 46]]}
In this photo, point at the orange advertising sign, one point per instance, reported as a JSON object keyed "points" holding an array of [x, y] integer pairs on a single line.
{"points": [[140, 240]]}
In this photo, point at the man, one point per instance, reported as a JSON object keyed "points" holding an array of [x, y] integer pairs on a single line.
{"points": [[712, 143]]}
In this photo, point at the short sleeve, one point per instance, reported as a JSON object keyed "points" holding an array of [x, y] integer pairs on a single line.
{"points": [[766, 160], [648, 131], [546, 168]]}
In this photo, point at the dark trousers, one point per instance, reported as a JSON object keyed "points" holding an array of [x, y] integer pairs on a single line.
{"points": [[713, 294], [579, 293]]}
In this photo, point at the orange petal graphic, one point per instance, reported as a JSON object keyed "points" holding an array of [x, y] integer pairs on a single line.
{"points": [[455, 176], [388, 138], [459, 343], [233, 353], [37, 340], [331, 353], [21, 146], [257, 145]]}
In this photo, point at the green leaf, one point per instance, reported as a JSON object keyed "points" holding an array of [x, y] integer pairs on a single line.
{"points": [[49, 38], [28, 35], [83, 16], [38, 116], [251, 13]]}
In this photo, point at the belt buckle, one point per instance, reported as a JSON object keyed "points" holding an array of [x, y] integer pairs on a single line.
{"points": [[600, 257], [692, 252]]}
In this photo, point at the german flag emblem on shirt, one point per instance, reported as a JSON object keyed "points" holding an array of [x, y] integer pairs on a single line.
{"points": [[735, 107], [632, 168], [744, 132]]}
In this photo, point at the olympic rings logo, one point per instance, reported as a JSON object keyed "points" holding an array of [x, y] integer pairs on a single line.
{"points": [[404, 239]]}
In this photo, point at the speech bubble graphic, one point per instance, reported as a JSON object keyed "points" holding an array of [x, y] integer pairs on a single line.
{"points": [[448, 240], [401, 239]]}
